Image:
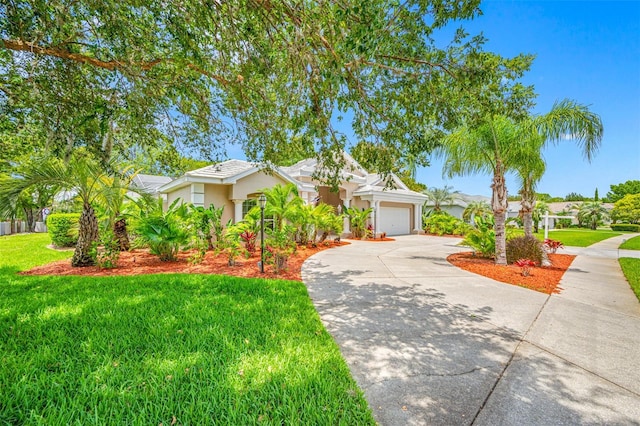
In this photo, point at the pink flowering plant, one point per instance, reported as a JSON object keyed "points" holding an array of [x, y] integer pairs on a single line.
{"points": [[525, 265], [552, 246]]}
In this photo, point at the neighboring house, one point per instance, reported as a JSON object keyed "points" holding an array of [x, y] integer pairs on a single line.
{"points": [[236, 185], [149, 183], [460, 202]]}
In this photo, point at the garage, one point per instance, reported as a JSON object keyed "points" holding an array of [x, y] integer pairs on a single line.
{"points": [[395, 220]]}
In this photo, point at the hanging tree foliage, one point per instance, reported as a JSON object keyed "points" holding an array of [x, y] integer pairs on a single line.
{"points": [[197, 75]]}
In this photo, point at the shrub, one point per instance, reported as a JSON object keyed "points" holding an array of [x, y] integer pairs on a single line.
{"points": [[108, 253], [482, 238], [524, 248], [442, 223], [279, 246], [163, 232], [563, 223], [625, 227], [63, 229], [358, 221]]}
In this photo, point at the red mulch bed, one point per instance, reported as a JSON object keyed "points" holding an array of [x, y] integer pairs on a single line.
{"points": [[138, 262], [542, 279]]}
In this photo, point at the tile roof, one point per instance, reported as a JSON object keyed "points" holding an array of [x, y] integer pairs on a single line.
{"points": [[150, 183], [223, 170]]}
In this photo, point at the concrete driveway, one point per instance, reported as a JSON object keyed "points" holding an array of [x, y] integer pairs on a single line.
{"points": [[429, 343]]}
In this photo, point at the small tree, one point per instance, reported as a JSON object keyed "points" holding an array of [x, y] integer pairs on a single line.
{"points": [[538, 213], [83, 175], [618, 191], [627, 209]]}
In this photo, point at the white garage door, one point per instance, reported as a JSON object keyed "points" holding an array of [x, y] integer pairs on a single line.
{"points": [[394, 220]]}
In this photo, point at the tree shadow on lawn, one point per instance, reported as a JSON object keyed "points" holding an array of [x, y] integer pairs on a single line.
{"points": [[420, 359]]}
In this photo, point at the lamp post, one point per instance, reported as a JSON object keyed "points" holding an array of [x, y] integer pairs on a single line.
{"points": [[262, 200]]}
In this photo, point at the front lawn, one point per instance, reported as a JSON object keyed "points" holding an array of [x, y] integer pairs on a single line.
{"points": [[631, 244], [578, 237], [631, 269], [170, 349]]}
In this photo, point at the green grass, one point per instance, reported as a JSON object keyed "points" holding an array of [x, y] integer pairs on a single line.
{"points": [[579, 237], [631, 269], [194, 349], [631, 244]]}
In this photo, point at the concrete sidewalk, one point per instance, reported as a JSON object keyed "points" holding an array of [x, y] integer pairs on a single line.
{"points": [[432, 344]]}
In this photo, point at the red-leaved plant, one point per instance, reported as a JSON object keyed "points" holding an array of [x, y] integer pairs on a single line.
{"points": [[525, 265], [552, 245], [249, 239]]}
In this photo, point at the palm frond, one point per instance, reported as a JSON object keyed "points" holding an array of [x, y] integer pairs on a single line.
{"points": [[569, 120]]}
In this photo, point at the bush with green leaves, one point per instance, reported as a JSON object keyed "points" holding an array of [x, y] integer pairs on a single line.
{"points": [[279, 246], [630, 227], [358, 220], [63, 229], [482, 238], [164, 232], [443, 223], [230, 244], [524, 248], [206, 223], [107, 252]]}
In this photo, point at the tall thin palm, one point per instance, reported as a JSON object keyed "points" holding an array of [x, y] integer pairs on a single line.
{"points": [[567, 120], [82, 175], [529, 170], [492, 148]]}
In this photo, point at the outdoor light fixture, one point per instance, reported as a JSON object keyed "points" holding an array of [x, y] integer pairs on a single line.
{"points": [[262, 201]]}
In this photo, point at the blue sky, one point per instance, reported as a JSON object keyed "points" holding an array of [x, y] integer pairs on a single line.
{"points": [[588, 51]]}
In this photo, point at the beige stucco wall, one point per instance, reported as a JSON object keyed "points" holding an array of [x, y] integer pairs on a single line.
{"points": [[361, 204], [218, 195], [182, 193], [253, 184]]}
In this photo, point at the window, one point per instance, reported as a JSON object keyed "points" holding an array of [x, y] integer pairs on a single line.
{"points": [[248, 205]]}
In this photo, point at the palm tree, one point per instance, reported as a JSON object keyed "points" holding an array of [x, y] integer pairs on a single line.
{"points": [[489, 148], [111, 199], [475, 208], [282, 202], [82, 175], [440, 197], [592, 212], [498, 145], [566, 120], [529, 171], [538, 212]]}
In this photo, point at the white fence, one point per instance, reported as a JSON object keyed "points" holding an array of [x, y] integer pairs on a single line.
{"points": [[20, 226]]}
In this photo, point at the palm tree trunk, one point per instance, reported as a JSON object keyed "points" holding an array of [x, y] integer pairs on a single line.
{"points": [[121, 235], [527, 222], [499, 205], [87, 234]]}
